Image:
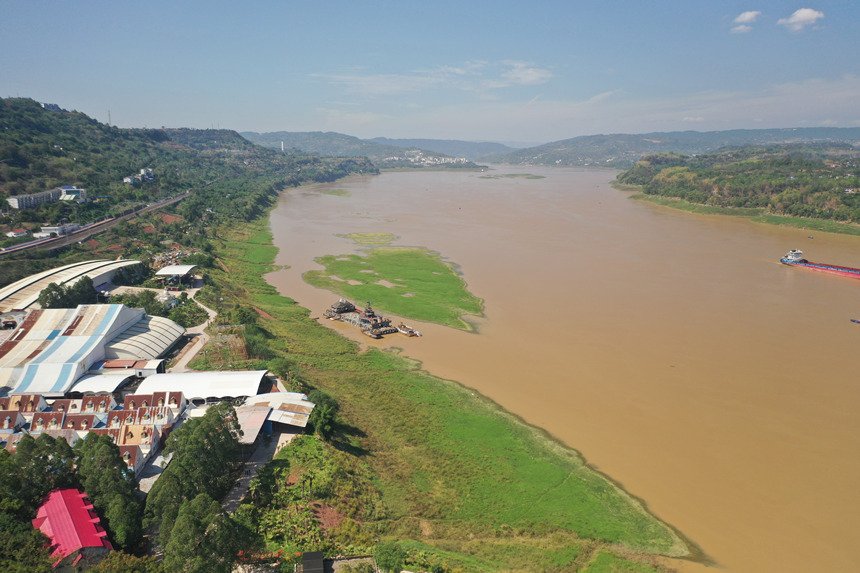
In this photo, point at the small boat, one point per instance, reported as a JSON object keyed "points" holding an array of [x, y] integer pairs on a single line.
{"points": [[407, 330], [795, 258], [855, 320], [371, 334]]}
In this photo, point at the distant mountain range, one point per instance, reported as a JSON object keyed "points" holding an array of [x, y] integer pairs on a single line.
{"points": [[384, 153], [614, 150], [623, 150]]}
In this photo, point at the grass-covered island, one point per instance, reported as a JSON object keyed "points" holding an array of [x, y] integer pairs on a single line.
{"points": [[458, 483], [409, 282]]}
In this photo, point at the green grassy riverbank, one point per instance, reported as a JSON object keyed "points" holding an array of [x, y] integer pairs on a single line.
{"points": [[458, 477], [757, 215]]}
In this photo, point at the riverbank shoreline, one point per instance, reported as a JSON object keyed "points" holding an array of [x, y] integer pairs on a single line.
{"points": [[417, 427], [755, 215]]}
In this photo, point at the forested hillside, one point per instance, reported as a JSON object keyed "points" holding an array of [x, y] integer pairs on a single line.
{"points": [[229, 177], [819, 181], [382, 154], [623, 150]]}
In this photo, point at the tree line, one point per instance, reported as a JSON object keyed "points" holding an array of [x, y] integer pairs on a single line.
{"points": [[803, 181]]}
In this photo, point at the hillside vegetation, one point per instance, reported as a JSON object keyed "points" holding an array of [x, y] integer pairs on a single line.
{"points": [[814, 181], [397, 455], [622, 150], [230, 179], [385, 154]]}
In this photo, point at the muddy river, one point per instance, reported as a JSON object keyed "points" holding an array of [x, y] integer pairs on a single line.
{"points": [[672, 350]]}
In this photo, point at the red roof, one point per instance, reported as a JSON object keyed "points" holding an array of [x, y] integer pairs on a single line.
{"points": [[70, 522]]}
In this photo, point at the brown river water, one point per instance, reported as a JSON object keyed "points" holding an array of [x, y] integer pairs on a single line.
{"points": [[671, 349]]}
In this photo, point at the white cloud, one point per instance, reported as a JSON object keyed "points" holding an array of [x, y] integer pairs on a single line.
{"points": [[801, 19], [482, 78], [524, 74], [747, 17], [741, 29]]}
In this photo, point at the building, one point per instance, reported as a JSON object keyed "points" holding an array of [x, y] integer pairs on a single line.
{"points": [[17, 233], [72, 193], [24, 294], [48, 230], [70, 522], [34, 199], [54, 348]]}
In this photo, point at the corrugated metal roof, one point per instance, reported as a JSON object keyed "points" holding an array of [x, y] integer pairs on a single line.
{"points": [[70, 522], [202, 385], [172, 270], [96, 383], [24, 293], [251, 419], [53, 348]]}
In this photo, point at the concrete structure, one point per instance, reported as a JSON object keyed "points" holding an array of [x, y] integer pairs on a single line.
{"points": [[48, 230], [72, 193], [34, 199]]}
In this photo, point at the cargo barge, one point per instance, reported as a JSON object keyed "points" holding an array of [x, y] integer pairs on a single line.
{"points": [[371, 324], [795, 258]]}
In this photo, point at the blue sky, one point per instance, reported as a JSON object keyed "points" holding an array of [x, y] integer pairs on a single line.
{"points": [[531, 71]]}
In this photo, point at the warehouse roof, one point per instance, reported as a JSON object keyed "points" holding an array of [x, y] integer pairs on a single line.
{"points": [[202, 385], [172, 270], [99, 383], [25, 292], [53, 348]]}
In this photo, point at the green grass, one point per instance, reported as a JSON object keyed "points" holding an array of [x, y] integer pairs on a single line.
{"points": [[457, 475], [370, 239], [408, 282], [606, 562], [757, 215]]}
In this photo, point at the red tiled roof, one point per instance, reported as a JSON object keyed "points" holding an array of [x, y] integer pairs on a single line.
{"points": [[70, 522]]}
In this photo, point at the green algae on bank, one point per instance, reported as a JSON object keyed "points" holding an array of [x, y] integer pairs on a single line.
{"points": [[461, 478], [409, 282]]}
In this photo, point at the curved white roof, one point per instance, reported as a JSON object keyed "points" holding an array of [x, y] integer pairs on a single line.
{"points": [[151, 337], [202, 385], [174, 270], [25, 292], [53, 348], [99, 383]]}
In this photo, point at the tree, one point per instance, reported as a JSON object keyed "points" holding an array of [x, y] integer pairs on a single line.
{"points": [[324, 416], [119, 562], [22, 548], [389, 556], [61, 296], [204, 539], [205, 453], [110, 485]]}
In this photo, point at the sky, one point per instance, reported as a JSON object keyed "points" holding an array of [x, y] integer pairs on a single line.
{"points": [[520, 72]]}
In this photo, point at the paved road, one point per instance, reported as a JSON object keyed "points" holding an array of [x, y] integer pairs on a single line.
{"points": [[199, 336], [266, 449]]}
